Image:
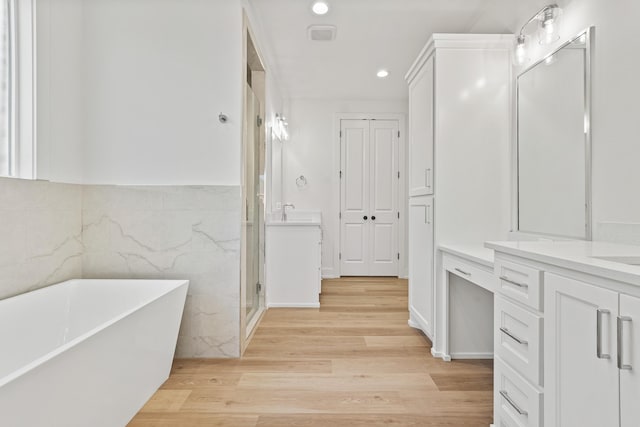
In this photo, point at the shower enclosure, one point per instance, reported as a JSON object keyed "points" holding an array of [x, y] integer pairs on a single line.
{"points": [[253, 185]]}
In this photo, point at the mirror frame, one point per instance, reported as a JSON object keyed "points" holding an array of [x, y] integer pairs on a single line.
{"points": [[589, 33], [273, 138]]}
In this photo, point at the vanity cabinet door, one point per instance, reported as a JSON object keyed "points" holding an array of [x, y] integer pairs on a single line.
{"points": [[629, 364], [421, 101], [421, 264], [581, 377]]}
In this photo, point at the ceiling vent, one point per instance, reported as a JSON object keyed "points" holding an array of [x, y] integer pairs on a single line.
{"points": [[322, 33]]}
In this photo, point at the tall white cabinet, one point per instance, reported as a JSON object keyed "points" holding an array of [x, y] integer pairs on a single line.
{"points": [[421, 263], [459, 156], [421, 103]]}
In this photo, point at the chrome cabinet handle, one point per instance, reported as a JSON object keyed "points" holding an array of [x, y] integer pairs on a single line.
{"points": [[462, 272], [599, 353], [427, 214], [427, 181], [506, 279], [506, 396], [513, 337], [621, 365]]}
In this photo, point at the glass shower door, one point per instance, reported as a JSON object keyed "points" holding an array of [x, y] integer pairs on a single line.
{"points": [[254, 217]]}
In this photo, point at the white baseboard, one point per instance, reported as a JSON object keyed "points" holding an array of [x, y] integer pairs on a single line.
{"points": [[330, 273], [416, 321], [471, 356], [440, 355], [293, 305]]}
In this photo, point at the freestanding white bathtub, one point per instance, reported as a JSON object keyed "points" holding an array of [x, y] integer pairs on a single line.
{"points": [[86, 352]]}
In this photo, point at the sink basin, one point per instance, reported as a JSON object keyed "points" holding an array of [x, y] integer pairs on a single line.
{"points": [[300, 220], [295, 218], [629, 260]]}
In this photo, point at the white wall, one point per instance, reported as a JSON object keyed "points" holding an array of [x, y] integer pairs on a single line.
{"points": [[616, 176], [129, 91], [60, 90], [158, 73], [312, 151]]}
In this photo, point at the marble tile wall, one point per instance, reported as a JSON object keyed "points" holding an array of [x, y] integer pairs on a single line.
{"points": [[40, 234], [181, 232]]}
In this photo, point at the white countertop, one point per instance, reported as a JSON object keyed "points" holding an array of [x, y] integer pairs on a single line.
{"points": [[579, 255], [476, 252]]}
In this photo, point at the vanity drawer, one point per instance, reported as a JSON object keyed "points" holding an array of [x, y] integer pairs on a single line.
{"points": [[516, 402], [518, 339], [520, 282], [469, 271]]}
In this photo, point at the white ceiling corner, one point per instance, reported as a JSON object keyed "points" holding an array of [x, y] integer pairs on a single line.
{"points": [[371, 34]]}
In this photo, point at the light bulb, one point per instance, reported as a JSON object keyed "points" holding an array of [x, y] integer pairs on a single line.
{"points": [[548, 31], [520, 56], [382, 74]]}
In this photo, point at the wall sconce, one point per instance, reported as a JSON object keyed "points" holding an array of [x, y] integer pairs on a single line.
{"points": [[282, 127], [548, 31]]}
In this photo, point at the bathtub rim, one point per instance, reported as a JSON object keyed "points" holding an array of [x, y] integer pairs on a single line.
{"points": [[177, 284]]}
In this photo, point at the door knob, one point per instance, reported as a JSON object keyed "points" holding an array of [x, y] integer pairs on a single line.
{"points": [[365, 217], [373, 218]]}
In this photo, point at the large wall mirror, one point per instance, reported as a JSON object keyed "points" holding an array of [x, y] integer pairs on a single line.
{"points": [[554, 143], [276, 171]]}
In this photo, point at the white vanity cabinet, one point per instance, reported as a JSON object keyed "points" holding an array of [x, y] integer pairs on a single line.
{"points": [[293, 263], [567, 339], [421, 259], [630, 351], [518, 343], [582, 378], [591, 334], [459, 142]]}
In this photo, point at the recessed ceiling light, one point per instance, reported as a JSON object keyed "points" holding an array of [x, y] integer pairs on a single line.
{"points": [[320, 8], [382, 74]]}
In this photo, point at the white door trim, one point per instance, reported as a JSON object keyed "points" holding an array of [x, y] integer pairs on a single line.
{"points": [[403, 198]]}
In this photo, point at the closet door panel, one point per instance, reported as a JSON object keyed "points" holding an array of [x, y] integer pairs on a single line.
{"points": [[355, 198], [383, 197]]}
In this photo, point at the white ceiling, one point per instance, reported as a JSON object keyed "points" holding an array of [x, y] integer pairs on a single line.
{"points": [[372, 34]]}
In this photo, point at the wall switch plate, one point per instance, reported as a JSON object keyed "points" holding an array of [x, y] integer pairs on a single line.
{"points": [[279, 205]]}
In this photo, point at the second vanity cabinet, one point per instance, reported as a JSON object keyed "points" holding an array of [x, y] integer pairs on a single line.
{"points": [[567, 341], [592, 350], [518, 344]]}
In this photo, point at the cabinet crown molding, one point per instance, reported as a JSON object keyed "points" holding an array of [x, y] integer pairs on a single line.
{"points": [[458, 41]]}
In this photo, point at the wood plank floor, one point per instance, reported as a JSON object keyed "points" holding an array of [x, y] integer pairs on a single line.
{"points": [[353, 362]]}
